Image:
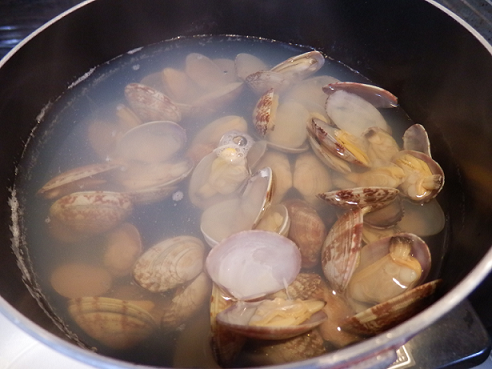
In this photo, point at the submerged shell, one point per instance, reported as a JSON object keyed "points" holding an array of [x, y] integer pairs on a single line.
{"points": [[123, 246], [118, 324], [91, 212], [252, 264], [300, 66], [310, 177], [377, 96], [423, 219], [170, 263]]}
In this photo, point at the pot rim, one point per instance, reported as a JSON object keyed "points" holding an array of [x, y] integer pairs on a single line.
{"points": [[374, 347]]}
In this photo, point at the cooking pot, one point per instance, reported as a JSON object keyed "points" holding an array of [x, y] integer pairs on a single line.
{"points": [[436, 64]]}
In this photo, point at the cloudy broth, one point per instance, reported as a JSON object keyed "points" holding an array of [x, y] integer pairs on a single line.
{"points": [[63, 141]]}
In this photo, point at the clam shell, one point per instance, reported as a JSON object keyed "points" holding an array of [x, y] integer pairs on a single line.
{"points": [[247, 64], [91, 212], [216, 99], [353, 114], [290, 122], [306, 286], [377, 96], [123, 246], [151, 105], [115, 323], [74, 280], [282, 174], [204, 72], [390, 313], [237, 317], [361, 197], [265, 111], [341, 248], [300, 66], [170, 263], [275, 219], [262, 81], [151, 142], [81, 178], [307, 230], [423, 219], [329, 159], [387, 216], [252, 264], [415, 138]]}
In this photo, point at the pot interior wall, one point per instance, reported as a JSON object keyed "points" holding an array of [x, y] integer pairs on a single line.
{"points": [[439, 71]]}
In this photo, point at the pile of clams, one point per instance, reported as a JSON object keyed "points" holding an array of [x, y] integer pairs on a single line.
{"points": [[311, 214]]}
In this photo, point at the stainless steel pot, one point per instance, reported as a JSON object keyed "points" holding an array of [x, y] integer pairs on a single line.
{"points": [[436, 64]]}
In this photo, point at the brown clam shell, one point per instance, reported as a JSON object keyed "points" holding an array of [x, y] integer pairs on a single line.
{"points": [[361, 197], [377, 96], [388, 314]]}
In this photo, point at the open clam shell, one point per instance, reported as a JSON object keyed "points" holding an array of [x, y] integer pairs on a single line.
{"points": [[170, 263], [415, 138], [275, 219], [340, 250], [388, 314], [118, 324], [361, 197], [423, 219], [377, 96], [300, 66], [237, 318], [252, 264]]}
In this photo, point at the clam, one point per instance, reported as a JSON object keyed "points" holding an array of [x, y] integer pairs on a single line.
{"points": [[178, 85], [377, 96], [390, 313], [220, 174], [252, 264], [424, 178], [211, 102], [386, 216], [282, 173], [170, 263], [307, 230], [339, 142], [301, 66], [74, 280], [186, 302], [306, 286], [265, 111], [264, 80], [310, 177], [273, 319], [88, 177], [118, 324], [123, 246], [353, 114], [361, 197], [340, 249], [207, 139], [240, 213], [91, 212], [423, 219], [389, 267], [329, 159], [309, 93], [415, 138], [150, 104], [371, 234], [151, 142], [302, 347], [381, 146], [204, 72], [387, 176], [247, 64], [275, 219], [228, 68]]}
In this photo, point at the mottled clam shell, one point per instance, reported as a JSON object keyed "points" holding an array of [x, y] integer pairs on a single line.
{"points": [[412, 176], [341, 248], [252, 264], [186, 302], [151, 142], [301, 66], [329, 159], [118, 324], [236, 319], [306, 286], [361, 197], [415, 138], [377, 96], [264, 112], [392, 312], [262, 81], [307, 230], [91, 212], [151, 105], [87, 178], [353, 114], [170, 263]]}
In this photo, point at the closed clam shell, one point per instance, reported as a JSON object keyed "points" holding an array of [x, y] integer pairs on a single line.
{"points": [[80, 280], [341, 248], [311, 177], [118, 324], [92, 212], [150, 104], [265, 111], [388, 314], [123, 246], [375, 197], [170, 263]]}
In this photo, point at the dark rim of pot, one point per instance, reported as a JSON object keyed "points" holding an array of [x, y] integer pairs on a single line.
{"points": [[379, 348]]}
